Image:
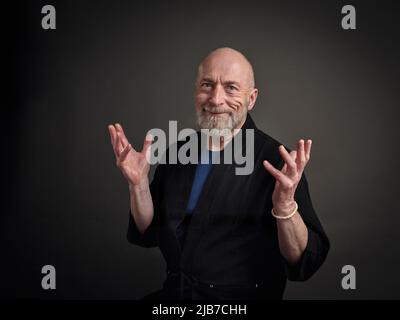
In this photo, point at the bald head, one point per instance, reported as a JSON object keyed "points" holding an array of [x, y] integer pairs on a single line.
{"points": [[229, 62]]}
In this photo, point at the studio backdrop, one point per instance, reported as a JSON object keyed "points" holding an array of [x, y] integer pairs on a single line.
{"points": [[135, 63]]}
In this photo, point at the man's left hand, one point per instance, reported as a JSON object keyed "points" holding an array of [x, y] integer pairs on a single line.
{"points": [[289, 177]]}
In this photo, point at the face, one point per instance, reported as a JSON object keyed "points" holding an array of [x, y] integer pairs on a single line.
{"points": [[224, 93]]}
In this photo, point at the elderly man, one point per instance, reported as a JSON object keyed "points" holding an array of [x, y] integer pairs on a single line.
{"points": [[225, 236]]}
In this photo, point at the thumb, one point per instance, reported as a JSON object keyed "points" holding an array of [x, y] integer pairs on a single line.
{"points": [[148, 140]]}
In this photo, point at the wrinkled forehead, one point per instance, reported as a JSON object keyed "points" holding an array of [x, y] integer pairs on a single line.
{"points": [[224, 70]]}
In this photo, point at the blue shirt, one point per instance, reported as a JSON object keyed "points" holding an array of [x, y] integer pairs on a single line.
{"points": [[202, 171], [200, 177]]}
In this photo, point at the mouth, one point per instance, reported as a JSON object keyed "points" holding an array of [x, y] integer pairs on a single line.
{"points": [[214, 113]]}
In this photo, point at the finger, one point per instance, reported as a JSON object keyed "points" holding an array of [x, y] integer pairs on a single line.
{"points": [[272, 170], [293, 154], [148, 140], [284, 169], [278, 175], [118, 145], [291, 164], [307, 150], [121, 144], [124, 140], [114, 140], [301, 159], [125, 152], [113, 133]]}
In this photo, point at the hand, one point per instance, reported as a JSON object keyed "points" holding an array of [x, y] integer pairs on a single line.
{"points": [[289, 177], [133, 165]]}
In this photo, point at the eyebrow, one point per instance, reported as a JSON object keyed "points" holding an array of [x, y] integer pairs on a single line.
{"points": [[225, 82]]}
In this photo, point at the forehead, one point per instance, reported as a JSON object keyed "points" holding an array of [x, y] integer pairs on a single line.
{"points": [[224, 70]]}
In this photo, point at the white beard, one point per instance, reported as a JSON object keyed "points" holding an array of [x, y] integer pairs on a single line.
{"points": [[216, 123]]}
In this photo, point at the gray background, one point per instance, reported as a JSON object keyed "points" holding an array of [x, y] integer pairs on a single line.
{"points": [[66, 203]]}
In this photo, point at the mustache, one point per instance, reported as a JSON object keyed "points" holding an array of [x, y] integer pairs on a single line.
{"points": [[216, 109]]}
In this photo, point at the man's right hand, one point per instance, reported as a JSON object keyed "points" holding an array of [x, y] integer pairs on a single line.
{"points": [[133, 165]]}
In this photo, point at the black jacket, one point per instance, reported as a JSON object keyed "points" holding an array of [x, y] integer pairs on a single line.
{"points": [[231, 249]]}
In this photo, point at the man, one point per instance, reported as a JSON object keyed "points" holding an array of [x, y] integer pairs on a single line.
{"points": [[225, 236]]}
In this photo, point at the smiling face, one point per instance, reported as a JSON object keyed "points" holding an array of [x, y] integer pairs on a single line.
{"points": [[224, 90]]}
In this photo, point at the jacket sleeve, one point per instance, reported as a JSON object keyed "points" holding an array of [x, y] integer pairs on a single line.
{"points": [[318, 244], [149, 238]]}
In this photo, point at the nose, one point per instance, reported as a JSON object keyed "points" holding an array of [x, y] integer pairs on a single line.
{"points": [[217, 96]]}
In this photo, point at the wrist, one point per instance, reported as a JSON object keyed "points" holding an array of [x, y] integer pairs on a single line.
{"points": [[142, 185], [285, 209]]}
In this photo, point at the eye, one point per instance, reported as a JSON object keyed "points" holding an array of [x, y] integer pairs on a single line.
{"points": [[231, 88], [206, 85]]}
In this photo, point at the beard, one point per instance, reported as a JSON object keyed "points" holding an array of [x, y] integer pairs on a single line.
{"points": [[217, 123]]}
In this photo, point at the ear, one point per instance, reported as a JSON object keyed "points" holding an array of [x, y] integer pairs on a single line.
{"points": [[252, 98]]}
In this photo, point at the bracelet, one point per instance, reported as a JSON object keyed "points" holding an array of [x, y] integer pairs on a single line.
{"points": [[285, 217]]}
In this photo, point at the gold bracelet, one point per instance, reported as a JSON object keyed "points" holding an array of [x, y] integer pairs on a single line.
{"points": [[285, 217]]}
